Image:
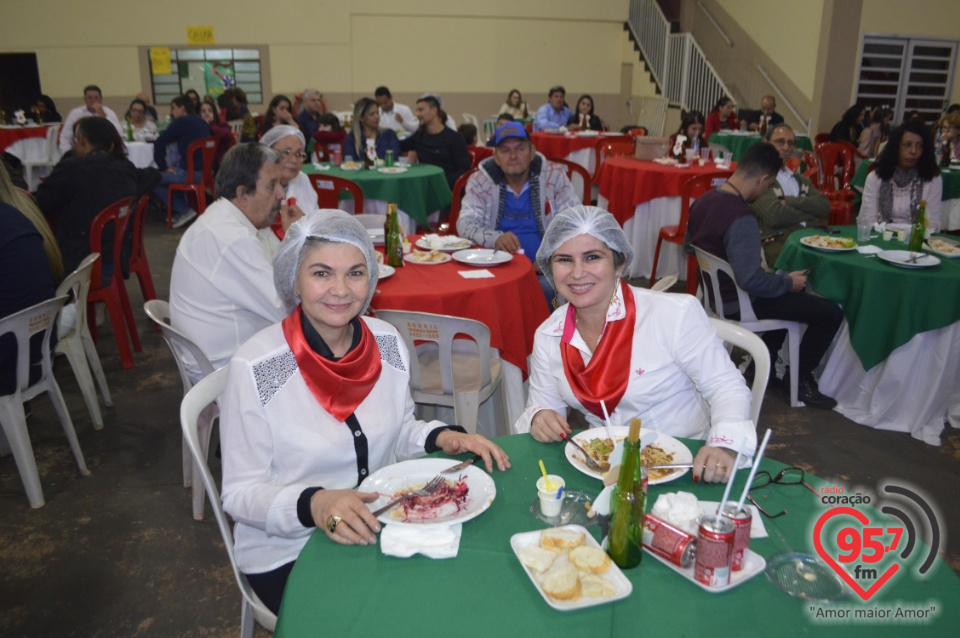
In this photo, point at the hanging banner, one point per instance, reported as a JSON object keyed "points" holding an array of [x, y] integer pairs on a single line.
{"points": [[160, 60], [219, 77], [202, 34]]}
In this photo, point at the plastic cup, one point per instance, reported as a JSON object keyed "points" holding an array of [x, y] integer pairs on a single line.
{"points": [[863, 232], [887, 235], [692, 155], [705, 153], [550, 502], [903, 235]]}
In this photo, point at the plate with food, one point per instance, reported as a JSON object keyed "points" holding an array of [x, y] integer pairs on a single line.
{"points": [[908, 259], [482, 257], [664, 450], [350, 166], [461, 497], [392, 170], [568, 568], [829, 243], [446, 243], [943, 247], [386, 271], [426, 258]]}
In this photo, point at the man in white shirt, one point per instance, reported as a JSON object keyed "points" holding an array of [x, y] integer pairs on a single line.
{"points": [[221, 288], [92, 107], [393, 115]]}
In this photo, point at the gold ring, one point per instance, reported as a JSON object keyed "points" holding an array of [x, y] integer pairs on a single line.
{"points": [[332, 522], [722, 467]]}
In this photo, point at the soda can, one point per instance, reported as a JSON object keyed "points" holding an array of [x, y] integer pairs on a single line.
{"points": [[389, 158], [742, 520], [714, 551], [668, 541], [336, 158]]}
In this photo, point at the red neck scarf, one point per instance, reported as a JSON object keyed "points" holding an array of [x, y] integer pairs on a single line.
{"points": [[609, 371], [339, 386]]}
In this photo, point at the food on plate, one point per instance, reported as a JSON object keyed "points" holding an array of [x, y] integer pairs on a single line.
{"points": [[560, 540], [590, 559], [826, 241], [537, 558], [596, 586], [943, 246], [424, 257], [562, 582], [600, 449], [440, 242], [450, 498], [351, 166]]}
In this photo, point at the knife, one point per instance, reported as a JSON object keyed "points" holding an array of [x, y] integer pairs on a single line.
{"points": [[460, 466]]}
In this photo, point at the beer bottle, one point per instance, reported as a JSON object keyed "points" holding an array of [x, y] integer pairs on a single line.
{"points": [[393, 240], [627, 504], [919, 230]]}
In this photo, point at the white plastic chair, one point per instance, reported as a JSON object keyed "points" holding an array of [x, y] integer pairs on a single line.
{"points": [[716, 149], [369, 220], [472, 119], [195, 404], [442, 374], [184, 350], [76, 342], [754, 346], [710, 268], [664, 284], [25, 324], [50, 158]]}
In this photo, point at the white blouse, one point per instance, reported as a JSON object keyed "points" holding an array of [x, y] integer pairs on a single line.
{"points": [[932, 192]]}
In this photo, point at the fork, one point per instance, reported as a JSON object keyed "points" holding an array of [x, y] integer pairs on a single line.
{"points": [[593, 465], [426, 490]]}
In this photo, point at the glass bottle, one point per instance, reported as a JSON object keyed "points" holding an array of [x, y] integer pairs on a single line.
{"points": [[627, 504], [394, 240], [919, 230]]}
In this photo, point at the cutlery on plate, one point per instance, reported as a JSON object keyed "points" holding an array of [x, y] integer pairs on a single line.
{"points": [[426, 490], [671, 466], [593, 465], [460, 466], [914, 259]]}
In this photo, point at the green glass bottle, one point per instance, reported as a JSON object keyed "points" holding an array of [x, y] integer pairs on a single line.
{"points": [[919, 230], [628, 502], [394, 240]]}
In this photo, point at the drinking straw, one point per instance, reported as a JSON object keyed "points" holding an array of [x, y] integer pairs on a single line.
{"points": [[753, 470], [547, 485], [733, 474], [606, 419]]}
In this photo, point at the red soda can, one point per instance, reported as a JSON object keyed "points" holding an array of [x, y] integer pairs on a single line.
{"points": [[714, 551], [336, 158], [742, 520], [668, 541]]}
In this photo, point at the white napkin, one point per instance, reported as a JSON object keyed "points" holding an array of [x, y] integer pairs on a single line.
{"points": [[880, 227], [433, 542], [321, 167], [869, 250], [481, 273]]}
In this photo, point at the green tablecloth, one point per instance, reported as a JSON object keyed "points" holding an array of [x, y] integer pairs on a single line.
{"points": [[740, 143], [420, 191], [951, 181], [885, 305], [357, 591]]}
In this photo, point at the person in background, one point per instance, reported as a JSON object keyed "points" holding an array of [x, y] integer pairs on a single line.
{"points": [[309, 115], [691, 127], [288, 142], [23, 202], [503, 118], [366, 126], [193, 97], [218, 129], [850, 126], [186, 128], [393, 115], [469, 134], [555, 112], [768, 109], [437, 144], [46, 110], [92, 107], [950, 133], [329, 137], [151, 112], [905, 172], [249, 132], [876, 133], [723, 117], [143, 129], [514, 106], [584, 119], [277, 113], [448, 120]]}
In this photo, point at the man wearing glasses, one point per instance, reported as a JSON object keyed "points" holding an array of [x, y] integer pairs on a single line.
{"points": [[791, 203]]}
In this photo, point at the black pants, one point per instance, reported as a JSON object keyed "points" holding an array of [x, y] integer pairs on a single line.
{"points": [[822, 316], [269, 586]]}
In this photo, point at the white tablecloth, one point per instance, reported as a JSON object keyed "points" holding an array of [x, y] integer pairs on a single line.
{"points": [[30, 149], [141, 154], [643, 229]]}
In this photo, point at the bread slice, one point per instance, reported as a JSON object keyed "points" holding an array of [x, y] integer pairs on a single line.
{"points": [[590, 559], [562, 582], [597, 586], [560, 540], [537, 558]]}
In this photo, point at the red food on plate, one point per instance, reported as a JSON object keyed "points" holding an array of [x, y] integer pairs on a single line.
{"points": [[450, 498]]}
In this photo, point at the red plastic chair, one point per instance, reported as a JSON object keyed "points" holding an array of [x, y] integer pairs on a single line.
{"points": [[820, 138], [575, 169], [637, 131], [138, 254], [328, 190], [528, 127], [612, 148], [841, 213], [114, 294], [459, 190], [812, 165], [693, 188], [836, 161], [207, 146]]}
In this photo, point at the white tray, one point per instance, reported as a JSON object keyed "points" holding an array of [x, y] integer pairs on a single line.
{"points": [[753, 564]]}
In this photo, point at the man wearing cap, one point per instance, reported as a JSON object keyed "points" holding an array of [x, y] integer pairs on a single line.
{"points": [[510, 198], [555, 112]]}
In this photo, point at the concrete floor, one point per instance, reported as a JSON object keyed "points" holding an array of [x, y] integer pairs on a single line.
{"points": [[117, 553]]}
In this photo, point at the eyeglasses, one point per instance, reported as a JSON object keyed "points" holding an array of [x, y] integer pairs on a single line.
{"points": [[287, 152], [787, 476]]}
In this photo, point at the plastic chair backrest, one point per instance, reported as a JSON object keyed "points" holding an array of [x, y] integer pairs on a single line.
{"points": [[754, 346], [207, 148], [180, 345], [118, 214], [474, 158], [623, 146], [572, 168], [75, 287], [328, 189], [236, 127], [834, 156], [715, 150], [52, 134], [637, 131], [471, 119], [459, 191], [370, 221], [812, 164], [24, 325], [820, 138], [664, 284], [419, 327], [197, 399], [694, 188], [711, 267]]}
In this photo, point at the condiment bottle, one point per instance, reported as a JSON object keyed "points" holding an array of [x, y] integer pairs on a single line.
{"points": [[627, 504]]}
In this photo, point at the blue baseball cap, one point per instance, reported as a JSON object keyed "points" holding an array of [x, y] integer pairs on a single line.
{"points": [[510, 129]]}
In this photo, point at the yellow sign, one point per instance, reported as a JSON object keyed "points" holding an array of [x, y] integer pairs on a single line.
{"points": [[200, 34], [160, 60]]}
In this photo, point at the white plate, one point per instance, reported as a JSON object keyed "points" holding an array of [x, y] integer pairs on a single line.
{"points": [[901, 257], [448, 243], [753, 564], [409, 259], [681, 453], [942, 253], [386, 271], [392, 170], [389, 480], [824, 249], [482, 257], [616, 578], [376, 236]]}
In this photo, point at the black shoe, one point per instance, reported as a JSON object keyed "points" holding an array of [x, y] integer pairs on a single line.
{"points": [[809, 393]]}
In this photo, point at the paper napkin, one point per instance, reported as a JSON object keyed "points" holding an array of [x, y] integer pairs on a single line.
{"points": [[869, 250], [481, 273], [433, 542]]}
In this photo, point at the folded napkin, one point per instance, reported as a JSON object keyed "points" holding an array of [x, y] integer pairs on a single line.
{"points": [[433, 542], [321, 167], [869, 250], [481, 273]]}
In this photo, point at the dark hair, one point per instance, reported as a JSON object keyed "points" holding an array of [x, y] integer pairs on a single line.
{"points": [[889, 158], [851, 115], [760, 159], [330, 119], [382, 91], [724, 99], [953, 108], [689, 119], [469, 133], [240, 95], [185, 103], [194, 97], [51, 107], [102, 136], [504, 117], [241, 167], [434, 103], [92, 87], [557, 89], [141, 103], [213, 107], [270, 119], [578, 104]]}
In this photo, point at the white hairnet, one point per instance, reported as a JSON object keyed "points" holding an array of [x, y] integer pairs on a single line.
{"points": [[329, 224], [277, 133], [582, 220]]}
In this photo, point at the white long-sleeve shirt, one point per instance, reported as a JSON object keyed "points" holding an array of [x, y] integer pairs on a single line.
{"points": [[66, 130], [388, 120], [901, 214], [682, 381], [277, 441]]}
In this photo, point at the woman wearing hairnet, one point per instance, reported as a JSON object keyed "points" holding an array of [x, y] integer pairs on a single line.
{"points": [[644, 354], [316, 403], [288, 141]]}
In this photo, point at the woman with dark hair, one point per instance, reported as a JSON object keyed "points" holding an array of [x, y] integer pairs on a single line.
{"points": [[876, 133], [722, 117], [514, 105], [366, 128], [905, 173], [225, 138], [850, 126], [691, 127], [46, 110], [195, 98], [143, 129], [277, 113], [583, 118]]}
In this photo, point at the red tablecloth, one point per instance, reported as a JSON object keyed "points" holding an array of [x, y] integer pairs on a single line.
{"points": [[13, 134], [626, 182], [511, 303], [556, 146]]}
